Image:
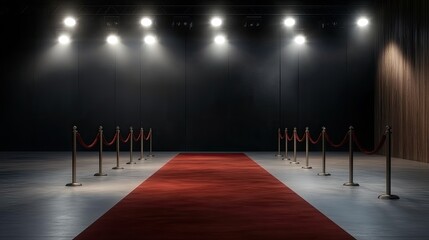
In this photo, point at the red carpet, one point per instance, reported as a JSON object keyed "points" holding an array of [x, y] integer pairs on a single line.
{"points": [[213, 196]]}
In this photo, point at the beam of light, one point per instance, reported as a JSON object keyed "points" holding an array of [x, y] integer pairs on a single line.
{"points": [[112, 39], [362, 22], [300, 39], [146, 22], [150, 39], [289, 22], [220, 39], [64, 39], [69, 22], [216, 22]]}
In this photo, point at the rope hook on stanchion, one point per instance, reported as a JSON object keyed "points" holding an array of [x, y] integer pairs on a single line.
{"points": [[118, 139], [131, 146], [142, 145], [350, 182], [150, 143], [100, 154], [279, 136], [294, 147], [323, 173], [306, 150], [74, 183], [388, 194], [286, 142]]}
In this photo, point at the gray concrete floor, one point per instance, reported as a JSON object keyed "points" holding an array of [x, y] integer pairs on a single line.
{"points": [[36, 204]]}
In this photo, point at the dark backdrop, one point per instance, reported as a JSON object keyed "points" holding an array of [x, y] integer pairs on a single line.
{"points": [[194, 94]]}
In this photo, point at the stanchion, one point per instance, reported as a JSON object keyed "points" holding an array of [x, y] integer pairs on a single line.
{"points": [[388, 194], [323, 173], [141, 145], [306, 150], [351, 183], [150, 143], [131, 146], [278, 143], [294, 147], [286, 142], [74, 183], [118, 139], [100, 154]]}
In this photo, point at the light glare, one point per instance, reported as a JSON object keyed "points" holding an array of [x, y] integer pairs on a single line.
{"points": [[69, 22], [220, 39], [216, 22], [300, 39], [146, 22], [289, 22], [150, 39], [112, 39], [64, 39], [362, 22]]}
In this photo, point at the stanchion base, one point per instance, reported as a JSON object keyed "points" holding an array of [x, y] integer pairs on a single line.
{"points": [[351, 184], [286, 158], [131, 162], [386, 196], [100, 174], [324, 174], [294, 162], [116, 168], [74, 184], [140, 158], [307, 167], [278, 155], [151, 155]]}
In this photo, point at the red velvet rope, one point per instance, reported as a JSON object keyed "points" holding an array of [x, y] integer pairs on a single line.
{"points": [[297, 137], [137, 138], [287, 137], [87, 146], [311, 139], [280, 135], [111, 142], [328, 139], [376, 149], [126, 139], [149, 135]]}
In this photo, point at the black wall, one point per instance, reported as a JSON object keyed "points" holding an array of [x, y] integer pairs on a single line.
{"points": [[194, 94]]}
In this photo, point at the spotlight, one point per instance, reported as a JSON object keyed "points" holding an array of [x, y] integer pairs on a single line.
{"points": [[219, 39], [112, 39], [362, 22], [69, 22], [289, 22], [216, 22], [146, 22], [150, 39], [299, 39], [64, 39]]}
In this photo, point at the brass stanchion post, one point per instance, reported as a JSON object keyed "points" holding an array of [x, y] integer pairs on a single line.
{"points": [[142, 145], [74, 183], [388, 194], [306, 150], [286, 151], [294, 147], [100, 154], [131, 146], [150, 144], [118, 139], [278, 143], [323, 173], [351, 183]]}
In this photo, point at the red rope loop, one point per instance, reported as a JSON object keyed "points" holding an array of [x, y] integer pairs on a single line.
{"points": [[280, 135], [376, 149], [312, 140], [288, 138], [138, 137], [328, 139], [126, 139], [87, 146], [299, 139], [149, 135], [111, 142]]}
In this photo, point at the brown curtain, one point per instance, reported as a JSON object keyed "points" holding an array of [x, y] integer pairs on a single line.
{"points": [[402, 85]]}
